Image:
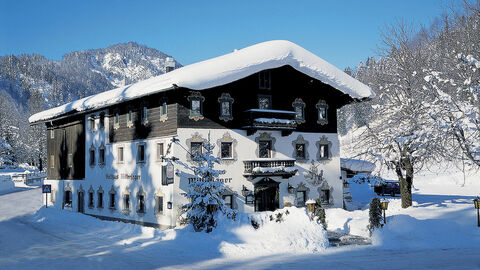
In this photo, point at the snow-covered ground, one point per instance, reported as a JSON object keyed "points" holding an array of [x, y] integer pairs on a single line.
{"points": [[439, 231]]}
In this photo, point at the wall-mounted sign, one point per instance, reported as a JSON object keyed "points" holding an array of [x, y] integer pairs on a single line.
{"points": [[170, 173], [223, 180], [127, 176]]}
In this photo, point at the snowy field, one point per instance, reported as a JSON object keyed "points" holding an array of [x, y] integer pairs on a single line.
{"points": [[439, 231]]}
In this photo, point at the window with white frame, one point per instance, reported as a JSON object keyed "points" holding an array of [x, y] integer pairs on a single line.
{"points": [[264, 149], [52, 134], [299, 108], [159, 205], [195, 149], [120, 154], [160, 152], [70, 160], [300, 151], [196, 106], [323, 151], [226, 101], [322, 108], [226, 150]]}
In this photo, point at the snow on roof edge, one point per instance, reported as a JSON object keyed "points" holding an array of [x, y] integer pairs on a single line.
{"points": [[219, 71]]}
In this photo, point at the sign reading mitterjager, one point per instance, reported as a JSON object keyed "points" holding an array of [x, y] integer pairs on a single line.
{"points": [[123, 176]]}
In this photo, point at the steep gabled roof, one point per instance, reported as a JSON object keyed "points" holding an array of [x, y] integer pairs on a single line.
{"points": [[219, 71]]}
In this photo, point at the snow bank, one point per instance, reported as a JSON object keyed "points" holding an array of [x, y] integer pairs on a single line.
{"points": [[219, 71], [296, 233], [357, 165], [6, 184]]}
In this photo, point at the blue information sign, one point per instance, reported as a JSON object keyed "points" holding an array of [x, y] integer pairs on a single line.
{"points": [[46, 188]]}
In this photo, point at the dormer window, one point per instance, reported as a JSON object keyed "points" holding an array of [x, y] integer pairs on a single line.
{"points": [[264, 79], [226, 107], [196, 106], [299, 108], [322, 108]]}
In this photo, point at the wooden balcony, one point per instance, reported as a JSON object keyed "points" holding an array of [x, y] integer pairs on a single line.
{"points": [[256, 119], [269, 167]]}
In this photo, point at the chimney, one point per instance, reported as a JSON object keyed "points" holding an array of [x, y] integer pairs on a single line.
{"points": [[169, 64]]}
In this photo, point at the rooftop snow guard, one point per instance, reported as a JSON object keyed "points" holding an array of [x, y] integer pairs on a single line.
{"points": [[219, 71]]}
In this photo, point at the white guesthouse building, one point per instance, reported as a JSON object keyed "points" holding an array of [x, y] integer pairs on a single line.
{"points": [[270, 109]]}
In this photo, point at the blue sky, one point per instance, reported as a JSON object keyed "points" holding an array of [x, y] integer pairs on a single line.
{"points": [[341, 32]]}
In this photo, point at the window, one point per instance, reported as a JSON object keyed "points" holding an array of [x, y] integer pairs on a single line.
{"points": [[264, 79], [90, 199], [301, 198], [196, 106], [116, 120], [265, 148], [102, 120], [299, 108], [322, 108], [130, 118], [159, 208], [112, 200], [195, 149], [70, 160], [225, 102], [52, 134], [163, 110], [52, 161], [91, 123], [264, 102], [101, 155], [159, 151], [227, 199], [126, 202], [141, 153], [325, 196], [144, 115], [226, 151], [68, 198], [100, 199], [120, 154], [92, 156], [141, 203], [323, 149], [300, 150]]}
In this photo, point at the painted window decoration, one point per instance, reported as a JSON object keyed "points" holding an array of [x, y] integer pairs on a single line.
{"points": [[264, 79], [324, 147], [300, 149], [141, 153], [163, 111], [116, 121], [101, 120], [228, 200], [322, 108], [299, 108], [91, 123], [265, 102], [144, 115], [92, 156], [264, 149], [226, 150], [226, 110], [160, 152], [120, 154], [196, 106]]}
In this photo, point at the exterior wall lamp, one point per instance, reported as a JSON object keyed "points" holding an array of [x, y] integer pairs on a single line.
{"points": [[384, 207]]}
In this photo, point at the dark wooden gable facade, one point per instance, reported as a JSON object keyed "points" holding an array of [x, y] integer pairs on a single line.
{"points": [[285, 85]]}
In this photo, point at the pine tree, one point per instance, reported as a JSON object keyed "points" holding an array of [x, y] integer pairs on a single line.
{"points": [[375, 213], [205, 195], [319, 212]]}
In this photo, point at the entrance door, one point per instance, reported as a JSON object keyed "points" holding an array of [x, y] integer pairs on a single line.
{"points": [[81, 208], [266, 195]]}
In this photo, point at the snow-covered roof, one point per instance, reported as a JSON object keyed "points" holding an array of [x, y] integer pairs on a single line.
{"points": [[357, 165], [219, 71]]}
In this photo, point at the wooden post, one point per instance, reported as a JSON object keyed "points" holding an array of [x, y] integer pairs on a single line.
{"points": [[478, 217]]}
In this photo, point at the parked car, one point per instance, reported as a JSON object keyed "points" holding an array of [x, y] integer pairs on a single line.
{"points": [[387, 187]]}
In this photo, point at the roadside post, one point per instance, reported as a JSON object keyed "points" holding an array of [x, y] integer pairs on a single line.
{"points": [[46, 189], [476, 201]]}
